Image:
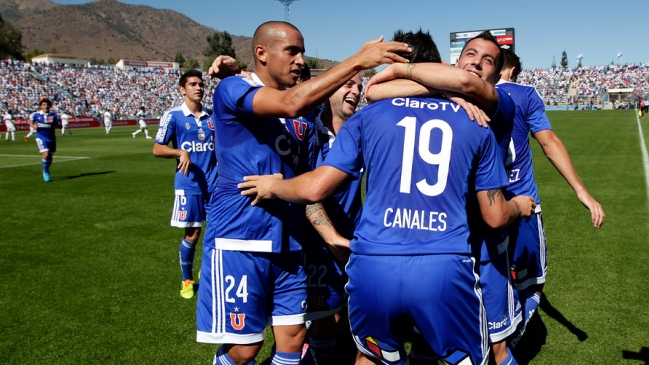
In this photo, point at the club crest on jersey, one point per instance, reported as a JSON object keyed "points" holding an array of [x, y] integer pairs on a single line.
{"points": [[182, 215], [300, 128], [50, 119], [238, 321], [187, 126], [210, 124], [201, 134], [316, 301]]}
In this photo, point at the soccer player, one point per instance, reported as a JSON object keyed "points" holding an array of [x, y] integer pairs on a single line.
{"points": [[334, 220], [11, 128], [253, 269], [188, 129], [482, 57], [64, 122], [45, 122], [527, 236], [108, 121], [423, 156], [143, 127]]}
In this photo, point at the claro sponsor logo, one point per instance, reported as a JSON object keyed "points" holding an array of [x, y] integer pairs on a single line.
{"points": [[197, 147]]}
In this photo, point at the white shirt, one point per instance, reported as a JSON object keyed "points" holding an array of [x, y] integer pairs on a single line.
{"points": [[107, 116], [64, 118]]}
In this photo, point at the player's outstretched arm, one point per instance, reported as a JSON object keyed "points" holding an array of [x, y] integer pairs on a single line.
{"points": [[438, 76], [498, 212], [337, 244], [304, 97], [308, 188], [556, 152], [164, 151]]}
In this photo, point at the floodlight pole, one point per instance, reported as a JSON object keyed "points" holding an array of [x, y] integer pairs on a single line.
{"points": [[286, 4]]}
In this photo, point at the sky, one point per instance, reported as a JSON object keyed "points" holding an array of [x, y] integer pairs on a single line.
{"points": [[336, 29]]}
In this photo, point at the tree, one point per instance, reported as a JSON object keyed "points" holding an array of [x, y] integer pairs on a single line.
{"points": [[579, 64], [218, 44], [191, 63], [111, 61], [314, 64], [33, 53], [243, 66], [180, 59], [369, 73], [10, 41], [564, 59], [554, 63]]}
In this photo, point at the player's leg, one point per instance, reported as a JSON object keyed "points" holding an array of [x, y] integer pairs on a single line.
{"points": [[288, 313], [325, 284], [232, 303], [146, 133], [136, 132], [188, 213]]}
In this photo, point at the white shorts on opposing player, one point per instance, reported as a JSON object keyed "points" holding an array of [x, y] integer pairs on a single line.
{"points": [[10, 126], [189, 210], [243, 292], [142, 123]]}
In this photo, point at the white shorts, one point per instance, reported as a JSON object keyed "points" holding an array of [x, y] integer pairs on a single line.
{"points": [[10, 127], [108, 123], [142, 123]]}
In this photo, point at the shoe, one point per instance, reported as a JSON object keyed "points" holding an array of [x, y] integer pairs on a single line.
{"points": [[147, 137], [187, 289], [133, 134], [46, 176]]}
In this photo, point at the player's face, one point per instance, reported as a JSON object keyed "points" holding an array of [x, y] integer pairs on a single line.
{"points": [[285, 57], [345, 100], [45, 107], [194, 89], [479, 58]]}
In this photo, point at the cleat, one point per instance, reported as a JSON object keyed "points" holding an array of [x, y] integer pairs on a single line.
{"points": [[147, 137], [187, 289], [133, 134], [46, 176]]}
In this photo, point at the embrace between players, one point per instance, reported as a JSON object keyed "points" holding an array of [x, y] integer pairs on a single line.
{"points": [[418, 253]]}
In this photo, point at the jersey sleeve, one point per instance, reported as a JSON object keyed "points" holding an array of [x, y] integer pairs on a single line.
{"points": [[490, 173], [237, 94], [346, 154], [165, 130], [504, 116], [536, 117]]}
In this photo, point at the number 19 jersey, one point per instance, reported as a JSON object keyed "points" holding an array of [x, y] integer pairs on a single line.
{"points": [[421, 156]]}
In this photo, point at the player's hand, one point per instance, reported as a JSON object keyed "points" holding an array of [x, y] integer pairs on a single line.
{"points": [[340, 250], [184, 162], [384, 75], [259, 185], [223, 66], [597, 214], [376, 52], [475, 113], [525, 204]]}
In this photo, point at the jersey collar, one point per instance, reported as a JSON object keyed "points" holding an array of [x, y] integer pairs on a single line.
{"points": [[188, 112]]}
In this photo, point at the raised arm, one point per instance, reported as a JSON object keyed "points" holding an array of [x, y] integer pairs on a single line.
{"points": [[557, 153], [304, 97], [432, 76]]}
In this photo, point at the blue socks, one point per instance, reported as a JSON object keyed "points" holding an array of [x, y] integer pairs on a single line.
{"points": [[510, 359], [186, 253], [285, 358], [222, 358]]}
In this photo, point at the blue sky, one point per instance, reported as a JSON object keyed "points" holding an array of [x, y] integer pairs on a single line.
{"points": [[336, 29]]}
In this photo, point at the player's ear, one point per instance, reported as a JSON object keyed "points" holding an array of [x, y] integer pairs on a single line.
{"points": [[260, 53]]}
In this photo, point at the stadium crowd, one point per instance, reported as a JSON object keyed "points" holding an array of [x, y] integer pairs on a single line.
{"points": [[89, 91]]}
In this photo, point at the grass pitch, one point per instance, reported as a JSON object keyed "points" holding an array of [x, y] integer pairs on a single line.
{"points": [[89, 265]]}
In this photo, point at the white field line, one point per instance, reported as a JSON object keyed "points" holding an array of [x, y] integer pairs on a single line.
{"points": [[57, 159], [645, 156]]}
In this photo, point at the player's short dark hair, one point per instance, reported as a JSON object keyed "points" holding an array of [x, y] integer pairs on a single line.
{"points": [[487, 36], [305, 74], [191, 73], [423, 47], [45, 100], [512, 60]]}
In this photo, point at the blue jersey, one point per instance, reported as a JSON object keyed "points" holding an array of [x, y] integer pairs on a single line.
{"points": [[530, 117], [344, 207], [194, 135], [422, 156], [249, 145], [46, 125]]}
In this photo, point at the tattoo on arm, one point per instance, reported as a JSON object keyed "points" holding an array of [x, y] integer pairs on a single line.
{"points": [[492, 194], [409, 69], [315, 213]]}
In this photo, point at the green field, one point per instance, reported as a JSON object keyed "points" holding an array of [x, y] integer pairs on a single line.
{"points": [[89, 264]]}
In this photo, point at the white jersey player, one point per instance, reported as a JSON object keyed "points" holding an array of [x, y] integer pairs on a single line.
{"points": [[142, 123], [11, 129], [108, 121], [65, 123], [32, 130]]}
